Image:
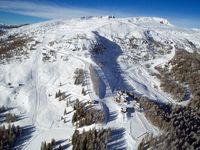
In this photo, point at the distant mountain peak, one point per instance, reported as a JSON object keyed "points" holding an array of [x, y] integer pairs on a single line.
{"points": [[151, 20]]}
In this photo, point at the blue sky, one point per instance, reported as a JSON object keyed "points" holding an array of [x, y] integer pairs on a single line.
{"points": [[185, 13]]}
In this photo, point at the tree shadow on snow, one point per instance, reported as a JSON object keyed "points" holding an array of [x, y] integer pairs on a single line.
{"points": [[3, 115], [113, 116], [102, 89], [117, 141], [25, 136], [60, 142], [21, 117], [86, 83], [109, 116], [111, 68]]}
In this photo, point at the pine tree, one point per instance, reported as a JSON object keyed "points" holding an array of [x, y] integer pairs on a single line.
{"points": [[65, 112], [1, 145], [56, 95], [83, 91], [45, 145], [60, 147], [67, 103], [59, 92], [53, 142]]}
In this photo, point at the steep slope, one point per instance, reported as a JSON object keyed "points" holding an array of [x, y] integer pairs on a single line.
{"points": [[118, 49]]}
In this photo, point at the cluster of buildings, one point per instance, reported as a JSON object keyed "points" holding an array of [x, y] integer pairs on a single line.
{"points": [[127, 101]]}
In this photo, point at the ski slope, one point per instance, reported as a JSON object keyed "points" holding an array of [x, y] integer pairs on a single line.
{"points": [[121, 66]]}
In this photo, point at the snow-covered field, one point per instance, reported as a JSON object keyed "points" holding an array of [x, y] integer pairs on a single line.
{"points": [[69, 45]]}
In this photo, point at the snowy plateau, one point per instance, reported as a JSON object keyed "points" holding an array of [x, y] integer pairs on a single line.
{"points": [[114, 59]]}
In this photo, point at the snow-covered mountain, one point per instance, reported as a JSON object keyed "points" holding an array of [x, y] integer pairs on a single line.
{"points": [[40, 61], [5, 27]]}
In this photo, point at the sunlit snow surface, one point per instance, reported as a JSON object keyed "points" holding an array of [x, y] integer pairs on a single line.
{"points": [[72, 42]]}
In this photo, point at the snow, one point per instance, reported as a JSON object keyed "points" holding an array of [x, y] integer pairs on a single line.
{"points": [[71, 41]]}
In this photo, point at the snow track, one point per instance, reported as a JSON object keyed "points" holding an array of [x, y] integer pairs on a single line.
{"points": [[143, 83], [69, 44], [113, 117]]}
